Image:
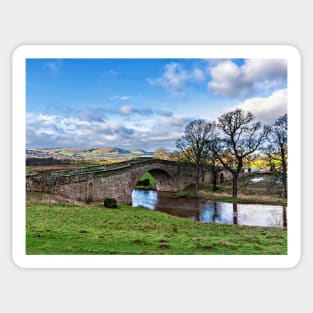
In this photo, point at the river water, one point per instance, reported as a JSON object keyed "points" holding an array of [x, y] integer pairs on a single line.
{"points": [[212, 211]]}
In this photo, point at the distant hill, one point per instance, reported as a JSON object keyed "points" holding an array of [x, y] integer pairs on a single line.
{"points": [[110, 150], [139, 151], [44, 156]]}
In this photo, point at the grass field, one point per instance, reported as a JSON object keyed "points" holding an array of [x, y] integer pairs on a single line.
{"points": [[69, 229]]}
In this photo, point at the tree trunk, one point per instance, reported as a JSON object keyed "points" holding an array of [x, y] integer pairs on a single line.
{"points": [[284, 173], [235, 178], [197, 176], [235, 183], [215, 214], [214, 172], [202, 173], [284, 216], [235, 213]]}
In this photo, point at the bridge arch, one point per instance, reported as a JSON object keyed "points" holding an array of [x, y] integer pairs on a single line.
{"points": [[165, 181]]}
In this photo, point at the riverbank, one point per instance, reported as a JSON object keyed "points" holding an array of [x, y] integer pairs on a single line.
{"points": [[70, 229], [252, 189]]}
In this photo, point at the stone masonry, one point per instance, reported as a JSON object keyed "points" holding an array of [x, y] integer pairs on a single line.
{"points": [[114, 180]]}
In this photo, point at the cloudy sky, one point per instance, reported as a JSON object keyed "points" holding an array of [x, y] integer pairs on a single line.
{"points": [[143, 103]]}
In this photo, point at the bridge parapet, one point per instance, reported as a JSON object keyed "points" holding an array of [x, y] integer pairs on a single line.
{"points": [[109, 167], [113, 180]]}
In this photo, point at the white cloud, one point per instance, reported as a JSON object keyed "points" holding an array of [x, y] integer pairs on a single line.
{"points": [[264, 69], [123, 98], [198, 74], [51, 131], [266, 109], [57, 131], [174, 121], [125, 109], [172, 79], [226, 79], [109, 74], [129, 109], [54, 66], [175, 77], [162, 132], [231, 80]]}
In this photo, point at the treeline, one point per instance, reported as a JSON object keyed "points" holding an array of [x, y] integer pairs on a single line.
{"points": [[45, 161], [232, 142]]}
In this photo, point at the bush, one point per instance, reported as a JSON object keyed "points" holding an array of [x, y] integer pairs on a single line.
{"points": [[145, 182], [110, 203]]}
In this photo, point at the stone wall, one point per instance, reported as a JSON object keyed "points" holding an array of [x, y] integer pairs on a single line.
{"points": [[117, 182]]}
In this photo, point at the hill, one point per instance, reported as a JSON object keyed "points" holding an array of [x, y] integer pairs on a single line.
{"points": [[42, 156], [109, 150], [138, 151]]}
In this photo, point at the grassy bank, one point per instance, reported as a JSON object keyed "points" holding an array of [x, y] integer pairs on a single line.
{"points": [[262, 192], [69, 229]]}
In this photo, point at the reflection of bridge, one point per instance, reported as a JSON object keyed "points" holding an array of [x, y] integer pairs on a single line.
{"points": [[114, 180]]}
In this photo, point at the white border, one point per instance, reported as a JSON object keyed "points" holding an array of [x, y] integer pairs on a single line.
{"points": [[155, 51]]}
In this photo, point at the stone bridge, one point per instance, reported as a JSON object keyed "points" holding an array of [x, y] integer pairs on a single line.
{"points": [[114, 180]]}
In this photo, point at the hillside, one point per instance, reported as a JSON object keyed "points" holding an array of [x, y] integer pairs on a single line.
{"points": [[38, 156]]}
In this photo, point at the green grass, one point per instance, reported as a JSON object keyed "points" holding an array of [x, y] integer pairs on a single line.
{"points": [[148, 176], [68, 229], [244, 200], [152, 182]]}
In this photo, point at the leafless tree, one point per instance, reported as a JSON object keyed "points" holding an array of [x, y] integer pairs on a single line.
{"points": [[161, 153], [194, 144], [277, 147], [239, 138]]}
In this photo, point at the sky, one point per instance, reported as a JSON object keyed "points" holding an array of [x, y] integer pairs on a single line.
{"points": [[143, 103]]}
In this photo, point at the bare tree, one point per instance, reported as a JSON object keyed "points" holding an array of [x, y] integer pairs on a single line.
{"points": [[215, 167], [239, 138], [161, 153], [194, 144], [277, 148]]}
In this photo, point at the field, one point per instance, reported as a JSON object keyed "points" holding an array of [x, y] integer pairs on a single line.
{"points": [[69, 229], [49, 168]]}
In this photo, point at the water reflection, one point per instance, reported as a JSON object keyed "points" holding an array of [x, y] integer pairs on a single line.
{"points": [[256, 179], [146, 198], [235, 213], [219, 212], [244, 214], [284, 216], [213, 211]]}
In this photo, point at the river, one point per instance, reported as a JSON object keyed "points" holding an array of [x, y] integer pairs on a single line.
{"points": [[212, 211]]}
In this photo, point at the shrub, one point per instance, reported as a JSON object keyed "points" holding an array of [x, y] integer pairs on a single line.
{"points": [[145, 182], [110, 203]]}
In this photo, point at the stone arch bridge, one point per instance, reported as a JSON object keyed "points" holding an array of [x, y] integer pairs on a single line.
{"points": [[114, 180]]}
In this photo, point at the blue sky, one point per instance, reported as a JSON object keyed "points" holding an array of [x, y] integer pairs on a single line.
{"points": [[143, 103]]}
